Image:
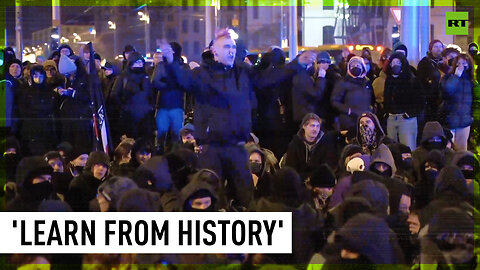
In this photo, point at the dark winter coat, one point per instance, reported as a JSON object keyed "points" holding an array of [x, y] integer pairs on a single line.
{"points": [[133, 94], [456, 110], [353, 93], [36, 105], [224, 98], [169, 95], [307, 94], [307, 226], [429, 74], [82, 190], [419, 155], [302, 156], [27, 199], [401, 94]]}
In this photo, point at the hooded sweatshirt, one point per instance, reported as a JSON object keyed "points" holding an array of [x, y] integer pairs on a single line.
{"points": [[31, 195], [379, 246], [302, 155]]}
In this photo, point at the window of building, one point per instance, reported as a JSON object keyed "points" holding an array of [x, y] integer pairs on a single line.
{"points": [[184, 26], [196, 26], [196, 48], [185, 48]]}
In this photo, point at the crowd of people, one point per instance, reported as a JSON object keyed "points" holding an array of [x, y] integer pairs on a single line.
{"points": [[374, 160]]}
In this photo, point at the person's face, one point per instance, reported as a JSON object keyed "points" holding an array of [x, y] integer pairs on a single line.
{"points": [[56, 164], [345, 53], [437, 49], [255, 158], [355, 64], [42, 178], [323, 192], [381, 167], [224, 50], [323, 65], [366, 121], [201, 203], [396, 62], [86, 56], [143, 156], [51, 72], [65, 51], [38, 77], [15, 70], [405, 203], [429, 166], [99, 171], [311, 128], [138, 63], [126, 55], [188, 138], [80, 160], [157, 57], [406, 155], [98, 64], [462, 62], [452, 55]]}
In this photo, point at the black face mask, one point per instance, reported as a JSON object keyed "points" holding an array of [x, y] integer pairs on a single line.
{"points": [[407, 163], [78, 169], [468, 174], [256, 168], [386, 173], [450, 62], [41, 191], [356, 71], [431, 175], [396, 70], [435, 145]]}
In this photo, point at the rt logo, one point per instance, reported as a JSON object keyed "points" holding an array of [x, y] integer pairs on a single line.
{"points": [[456, 23]]}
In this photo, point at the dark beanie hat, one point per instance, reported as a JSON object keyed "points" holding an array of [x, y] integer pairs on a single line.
{"points": [[323, 57], [97, 56], [452, 227], [323, 177], [74, 153], [12, 142], [52, 155], [437, 158], [129, 48], [113, 188], [97, 157], [375, 192]]}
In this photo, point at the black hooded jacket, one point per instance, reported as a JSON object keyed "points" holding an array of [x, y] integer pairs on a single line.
{"points": [[224, 98], [419, 155], [303, 156], [29, 198], [36, 103], [289, 196], [400, 91], [351, 93], [132, 91]]}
